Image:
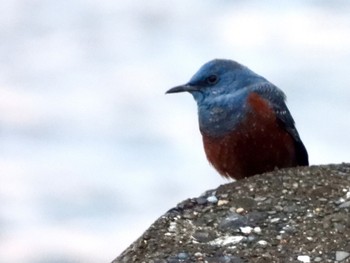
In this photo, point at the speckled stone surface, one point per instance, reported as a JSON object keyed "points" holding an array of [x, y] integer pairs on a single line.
{"points": [[291, 215]]}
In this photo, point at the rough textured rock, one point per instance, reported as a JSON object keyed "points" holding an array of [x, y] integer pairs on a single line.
{"points": [[290, 215]]}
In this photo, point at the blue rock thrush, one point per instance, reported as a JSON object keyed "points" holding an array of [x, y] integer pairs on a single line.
{"points": [[246, 126]]}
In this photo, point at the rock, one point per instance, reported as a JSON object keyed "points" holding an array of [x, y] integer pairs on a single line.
{"points": [[305, 259], [212, 199], [341, 255], [289, 215]]}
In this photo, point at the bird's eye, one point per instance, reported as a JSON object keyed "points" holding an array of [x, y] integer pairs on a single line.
{"points": [[212, 79]]}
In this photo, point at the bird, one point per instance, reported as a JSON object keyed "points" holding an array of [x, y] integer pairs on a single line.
{"points": [[244, 121]]}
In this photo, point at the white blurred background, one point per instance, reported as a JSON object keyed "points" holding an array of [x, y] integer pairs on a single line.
{"points": [[92, 151]]}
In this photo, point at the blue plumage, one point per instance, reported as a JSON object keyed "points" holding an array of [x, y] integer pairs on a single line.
{"points": [[233, 100]]}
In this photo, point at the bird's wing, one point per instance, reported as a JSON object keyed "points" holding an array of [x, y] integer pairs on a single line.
{"points": [[277, 99]]}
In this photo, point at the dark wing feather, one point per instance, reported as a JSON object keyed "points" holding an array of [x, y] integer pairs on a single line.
{"points": [[277, 98]]}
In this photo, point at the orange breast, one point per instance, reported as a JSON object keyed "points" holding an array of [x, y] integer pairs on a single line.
{"points": [[257, 145]]}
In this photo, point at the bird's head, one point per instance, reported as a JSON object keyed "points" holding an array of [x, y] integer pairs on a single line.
{"points": [[216, 79]]}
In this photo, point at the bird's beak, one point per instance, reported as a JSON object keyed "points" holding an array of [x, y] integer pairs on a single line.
{"points": [[182, 88]]}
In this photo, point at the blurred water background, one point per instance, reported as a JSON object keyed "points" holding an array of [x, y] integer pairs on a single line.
{"points": [[92, 151]]}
